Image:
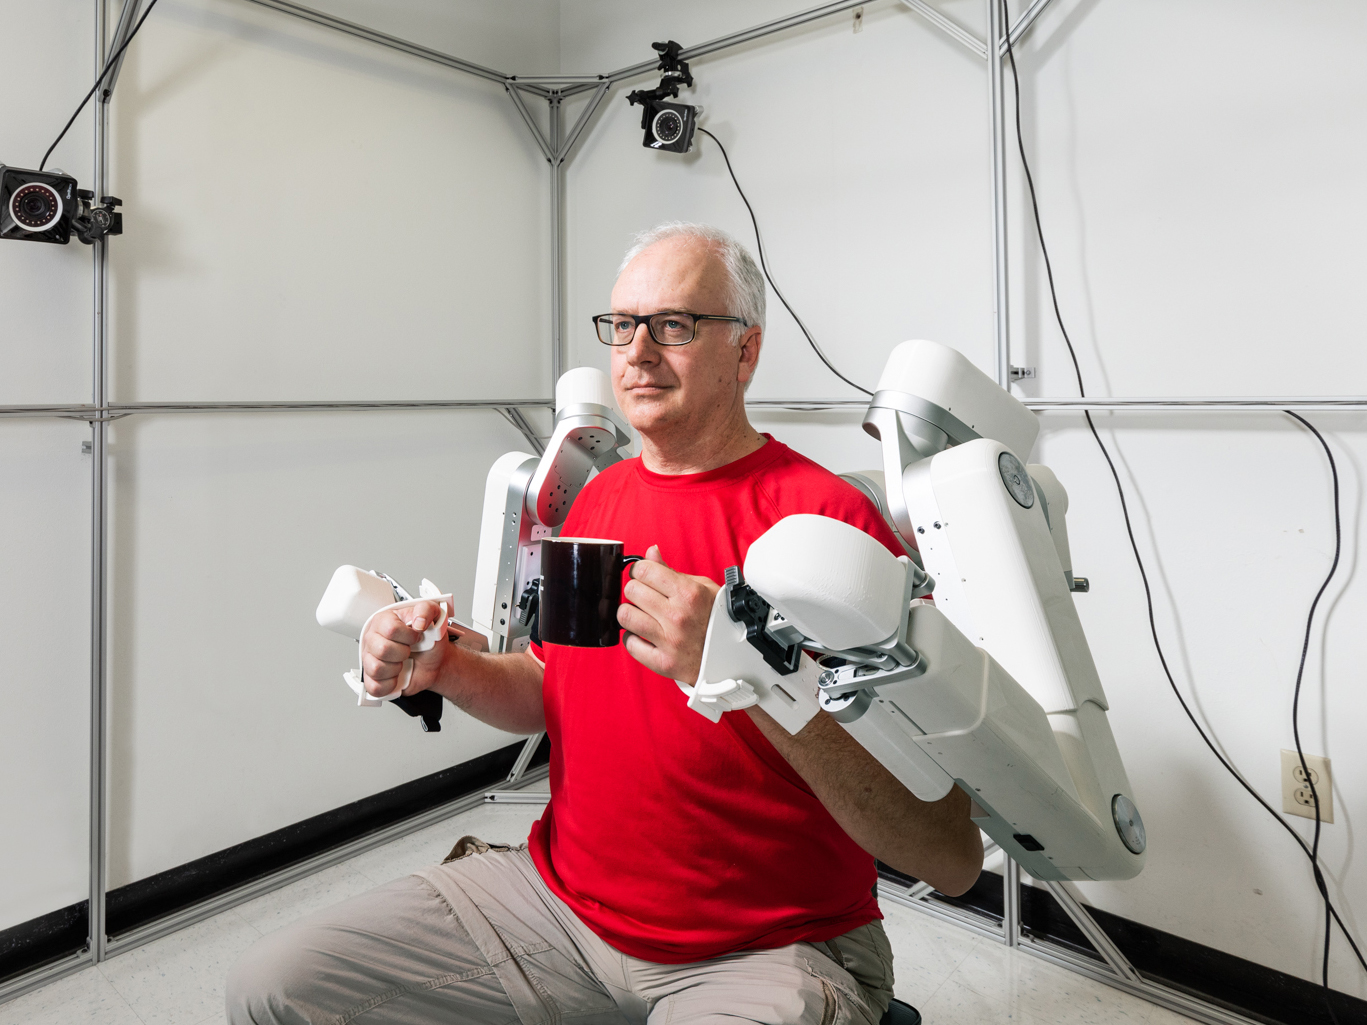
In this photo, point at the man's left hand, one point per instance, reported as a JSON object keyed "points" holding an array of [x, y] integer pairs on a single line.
{"points": [[666, 620]]}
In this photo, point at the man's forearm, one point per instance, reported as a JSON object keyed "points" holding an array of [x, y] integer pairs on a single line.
{"points": [[501, 690], [936, 842]]}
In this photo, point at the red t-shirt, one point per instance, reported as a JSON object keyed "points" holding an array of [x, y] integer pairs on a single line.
{"points": [[674, 838]]}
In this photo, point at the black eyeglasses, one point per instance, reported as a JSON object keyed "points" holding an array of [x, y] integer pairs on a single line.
{"points": [[665, 328]]}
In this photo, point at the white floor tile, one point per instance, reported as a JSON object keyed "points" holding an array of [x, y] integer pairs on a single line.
{"points": [[178, 980], [1044, 991], [1162, 1016], [86, 996], [957, 1004], [926, 951], [494, 823], [323, 889]]}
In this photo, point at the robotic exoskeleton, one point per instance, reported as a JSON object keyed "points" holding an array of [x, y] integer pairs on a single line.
{"points": [[990, 687], [526, 498]]}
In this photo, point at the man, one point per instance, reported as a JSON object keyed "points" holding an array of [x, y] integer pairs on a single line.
{"points": [[684, 870]]}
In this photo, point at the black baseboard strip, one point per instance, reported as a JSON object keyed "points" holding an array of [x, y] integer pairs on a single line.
{"points": [[1244, 987], [40, 941]]}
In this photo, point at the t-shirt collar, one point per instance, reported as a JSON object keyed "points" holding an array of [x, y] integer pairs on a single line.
{"points": [[722, 475]]}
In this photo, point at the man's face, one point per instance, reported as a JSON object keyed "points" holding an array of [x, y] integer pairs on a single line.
{"points": [[663, 388]]}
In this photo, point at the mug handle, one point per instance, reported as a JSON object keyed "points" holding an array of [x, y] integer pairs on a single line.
{"points": [[627, 560]]}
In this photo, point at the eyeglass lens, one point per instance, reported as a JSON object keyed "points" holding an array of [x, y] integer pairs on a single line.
{"points": [[665, 328]]}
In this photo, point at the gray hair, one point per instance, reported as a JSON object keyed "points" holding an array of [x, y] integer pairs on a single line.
{"points": [[745, 283]]}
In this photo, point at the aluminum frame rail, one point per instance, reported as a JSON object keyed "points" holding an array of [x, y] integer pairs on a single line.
{"points": [[1175, 403], [127, 19], [996, 106], [556, 146], [99, 534], [371, 35], [103, 412], [1111, 968]]}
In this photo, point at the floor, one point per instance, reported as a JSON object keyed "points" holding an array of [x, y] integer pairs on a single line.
{"points": [[952, 976]]}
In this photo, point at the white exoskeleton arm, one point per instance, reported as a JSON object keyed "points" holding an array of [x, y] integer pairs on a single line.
{"points": [[354, 597], [992, 688], [527, 497]]}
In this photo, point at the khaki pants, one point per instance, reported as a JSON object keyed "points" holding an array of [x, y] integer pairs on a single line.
{"points": [[481, 940]]}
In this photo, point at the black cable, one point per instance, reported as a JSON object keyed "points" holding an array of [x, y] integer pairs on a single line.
{"points": [[759, 244], [108, 67], [1311, 851], [1300, 673]]}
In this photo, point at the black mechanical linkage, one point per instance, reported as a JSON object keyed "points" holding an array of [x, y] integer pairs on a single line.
{"points": [[746, 606], [675, 76], [426, 704]]}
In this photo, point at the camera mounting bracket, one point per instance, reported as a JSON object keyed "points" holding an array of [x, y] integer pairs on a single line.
{"points": [[675, 76]]}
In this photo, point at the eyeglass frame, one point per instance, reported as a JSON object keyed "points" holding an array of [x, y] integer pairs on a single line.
{"points": [[648, 317]]}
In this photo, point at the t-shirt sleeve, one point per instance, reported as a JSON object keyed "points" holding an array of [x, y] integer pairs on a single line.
{"points": [[815, 490], [865, 516]]}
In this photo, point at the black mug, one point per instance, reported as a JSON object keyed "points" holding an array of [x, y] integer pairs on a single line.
{"points": [[581, 589]]}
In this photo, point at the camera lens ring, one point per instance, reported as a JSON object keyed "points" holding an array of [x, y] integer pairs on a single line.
{"points": [[673, 126], [35, 206]]}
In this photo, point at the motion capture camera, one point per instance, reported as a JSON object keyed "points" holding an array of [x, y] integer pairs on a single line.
{"points": [[667, 126], [36, 206], [47, 206], [671, 126]]}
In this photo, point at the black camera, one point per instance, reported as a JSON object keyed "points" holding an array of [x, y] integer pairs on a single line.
{"points": [[668, 126], [47, 206]]}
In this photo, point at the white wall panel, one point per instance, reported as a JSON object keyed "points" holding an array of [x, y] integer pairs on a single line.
{"points": [[1197, 172], [309, 216], [517, 37], [45, 635], [1234, 519], [229, 714], [45, 290]]}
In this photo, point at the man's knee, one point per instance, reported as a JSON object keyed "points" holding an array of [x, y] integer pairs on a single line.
{"points": [[263, 986]]}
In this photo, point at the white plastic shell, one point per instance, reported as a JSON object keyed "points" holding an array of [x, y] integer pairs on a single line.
{"points": [[589, 430], [1056, 512], [945, 378], [835, 583], [584, 385], [1010, 586], [492, 542], [734, 675], [352, 597]]}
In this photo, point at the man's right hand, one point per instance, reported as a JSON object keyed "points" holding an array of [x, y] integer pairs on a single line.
{"points": [[388, 643]]}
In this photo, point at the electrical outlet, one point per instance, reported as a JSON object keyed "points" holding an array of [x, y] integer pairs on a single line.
{"points": [[1296, 796]]}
